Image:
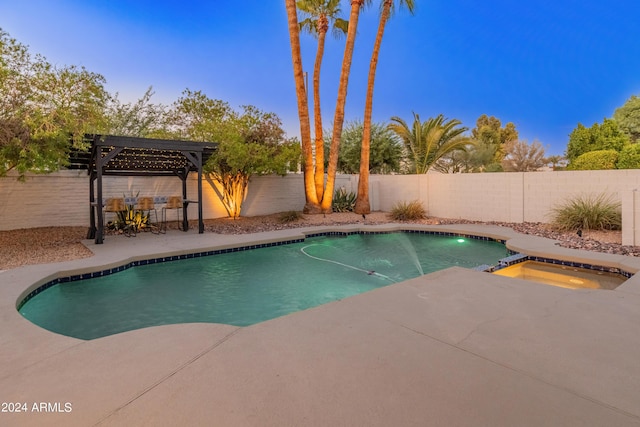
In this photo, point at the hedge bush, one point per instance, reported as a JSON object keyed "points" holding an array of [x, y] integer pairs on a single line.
{"points": [[629, 157], [595, 160]]}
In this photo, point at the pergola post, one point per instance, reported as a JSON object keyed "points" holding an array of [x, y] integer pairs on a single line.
{"points": [[185, 200], [91, 233], [200, 220], [98, 202]]}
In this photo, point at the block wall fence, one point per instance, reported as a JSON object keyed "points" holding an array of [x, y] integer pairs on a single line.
{"points": [[62, 198]]}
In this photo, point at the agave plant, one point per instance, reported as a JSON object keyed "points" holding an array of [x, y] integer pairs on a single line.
{"points": [[343, 201], [131, 218]]}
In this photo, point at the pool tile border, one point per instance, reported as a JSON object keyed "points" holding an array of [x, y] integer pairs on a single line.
{"points": [[109, 271], [514, 257]]}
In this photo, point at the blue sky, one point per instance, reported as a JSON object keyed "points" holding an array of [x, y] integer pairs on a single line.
{"points": [[543, 64]]}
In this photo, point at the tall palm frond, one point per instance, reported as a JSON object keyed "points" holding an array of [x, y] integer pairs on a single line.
{"points": [[427, 142], [319, 15]]}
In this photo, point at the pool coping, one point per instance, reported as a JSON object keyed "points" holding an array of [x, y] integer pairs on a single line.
{"points": [[31, 346], [535, 248], [25, 280]]}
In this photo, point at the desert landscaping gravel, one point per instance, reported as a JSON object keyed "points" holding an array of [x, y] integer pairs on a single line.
{"points": [[55, 244]]}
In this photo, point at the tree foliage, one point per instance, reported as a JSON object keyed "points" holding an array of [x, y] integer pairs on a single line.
{"points": [[425, 143], [523, 157], [385, 154], [605, 136], [629, 157], [485, 151], [251, 142], [141, 119], [595, 160], [41, 107], [628, 118], [490, 139]]}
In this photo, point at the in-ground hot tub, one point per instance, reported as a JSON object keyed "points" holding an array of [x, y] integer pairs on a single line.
{"points": [[563, 275]]}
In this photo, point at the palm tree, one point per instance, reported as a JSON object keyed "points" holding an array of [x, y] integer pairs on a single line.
{"points": [[362, 205], [312, 204], [429, 141], [338, 119], [556, 161], [320, 14]]}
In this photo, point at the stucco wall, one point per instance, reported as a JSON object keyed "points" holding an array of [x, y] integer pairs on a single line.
{"points": [[62, 198]]}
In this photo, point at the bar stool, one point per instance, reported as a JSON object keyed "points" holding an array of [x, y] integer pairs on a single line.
{"points": [[146, 204], [173, 202]]}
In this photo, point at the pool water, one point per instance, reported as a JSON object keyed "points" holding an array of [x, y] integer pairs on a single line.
{"points": [[246, 287]]}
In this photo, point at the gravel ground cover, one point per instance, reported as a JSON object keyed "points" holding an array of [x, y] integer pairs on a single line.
{"points": [[55, 244]]}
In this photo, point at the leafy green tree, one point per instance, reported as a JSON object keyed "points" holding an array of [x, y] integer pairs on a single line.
{"points": [[362, 202], [41, 106], [491, 137], [489, 141], [386, 152], [605, 136], [457, 161], [320, 15], [523, 157], [629, 157], [426, 143], [595, 160], [139, 119], [628, 118], [251, 142]]}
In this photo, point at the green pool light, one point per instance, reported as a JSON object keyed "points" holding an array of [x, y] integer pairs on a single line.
{"points": [[461, 240]]}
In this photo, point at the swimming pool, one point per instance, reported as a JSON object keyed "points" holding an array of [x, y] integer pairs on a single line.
{"points": [[249, 286]]}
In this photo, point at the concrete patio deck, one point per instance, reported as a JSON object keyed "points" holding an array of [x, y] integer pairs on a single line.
{"points": [[452, 348]]}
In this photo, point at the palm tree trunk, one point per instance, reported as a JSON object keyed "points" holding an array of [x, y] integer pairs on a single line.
{"points": [[319, 174], [362, 205], [312, 204], [338, 119]]}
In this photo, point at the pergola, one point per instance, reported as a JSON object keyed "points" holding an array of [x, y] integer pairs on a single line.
{"points": [[128, 156]]}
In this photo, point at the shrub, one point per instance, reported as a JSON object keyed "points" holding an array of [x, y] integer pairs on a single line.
{"points": [[588, 212], [289, 216], [629, 157], [343, 201], [403, 211], [595, 160]]}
